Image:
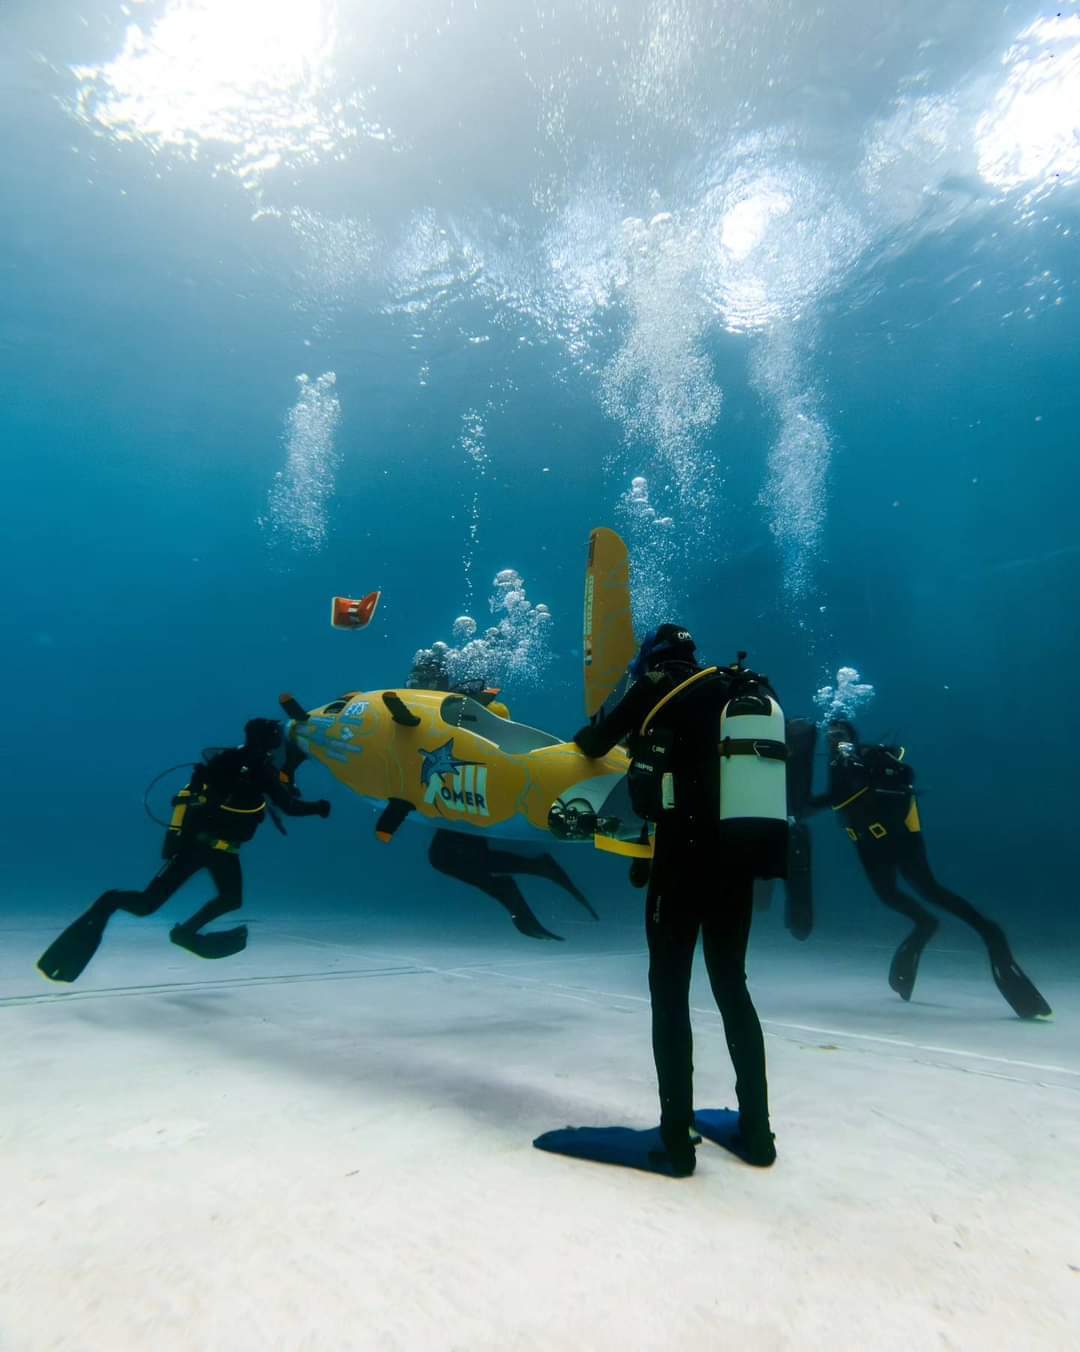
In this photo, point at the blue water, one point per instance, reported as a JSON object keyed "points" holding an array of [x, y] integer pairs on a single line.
{"points": [[811, 275]]}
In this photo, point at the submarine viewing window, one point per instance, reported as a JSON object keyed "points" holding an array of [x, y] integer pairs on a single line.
{"points": [[516, 739], [336, 706]]}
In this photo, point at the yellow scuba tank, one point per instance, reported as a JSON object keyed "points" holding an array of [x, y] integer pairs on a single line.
{"points": [[753, 781], [218, 822], [187, 808]]}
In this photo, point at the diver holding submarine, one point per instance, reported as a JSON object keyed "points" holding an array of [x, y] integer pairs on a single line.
{"points": [[229, 795]]}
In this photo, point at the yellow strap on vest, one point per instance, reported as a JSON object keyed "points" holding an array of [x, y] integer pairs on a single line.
{"points": [[848, 801], [684, 685], [911, 821], [631, 849], [244, 811]]}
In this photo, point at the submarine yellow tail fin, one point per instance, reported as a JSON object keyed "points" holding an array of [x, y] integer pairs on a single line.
{"points": [[608, 643]]}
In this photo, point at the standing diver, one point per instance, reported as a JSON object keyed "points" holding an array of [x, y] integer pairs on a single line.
{"points": [[696, 883], [872, 788], [220, 809]]}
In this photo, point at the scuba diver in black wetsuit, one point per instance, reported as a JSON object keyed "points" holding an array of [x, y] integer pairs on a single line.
{"points": [[228, 797], [697, 883], [872, 788], [474, 860], [471, 858]]}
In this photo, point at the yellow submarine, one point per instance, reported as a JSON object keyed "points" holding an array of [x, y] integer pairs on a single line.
{"points": [[461, 765]]}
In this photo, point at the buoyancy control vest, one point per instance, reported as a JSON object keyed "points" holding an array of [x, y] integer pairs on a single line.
{"points": [[743, 754], [875, 790], [218, 815]]}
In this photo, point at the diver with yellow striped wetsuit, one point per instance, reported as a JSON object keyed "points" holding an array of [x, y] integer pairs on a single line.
{"points": [[228, 797], [871, 788]]}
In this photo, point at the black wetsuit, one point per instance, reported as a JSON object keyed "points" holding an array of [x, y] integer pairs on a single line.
{"points": [[237, 787], [224, 805], [871, 788], [473, 859], [693, 887]]}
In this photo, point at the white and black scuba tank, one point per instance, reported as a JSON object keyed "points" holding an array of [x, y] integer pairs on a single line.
{"points": [[753, 782]]}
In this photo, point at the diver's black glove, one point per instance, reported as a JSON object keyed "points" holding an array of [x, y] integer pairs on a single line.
{"points": [[322, 807]]}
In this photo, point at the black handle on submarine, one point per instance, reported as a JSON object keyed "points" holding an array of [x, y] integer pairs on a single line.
{"points": [[292, 706]]}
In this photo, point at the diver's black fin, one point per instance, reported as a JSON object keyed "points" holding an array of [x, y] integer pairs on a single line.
{"points": [[292, 706], [391, 817], [905, 964], [216, 944], [550, 868], [398, 710], [643, 1150], [525, 922], [1019, 990], [722, 1127], [66, 957], [507, 893]]}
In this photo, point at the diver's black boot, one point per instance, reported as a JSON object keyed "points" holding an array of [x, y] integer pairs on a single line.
{"points": [[1017, 988], [216, 944], [757, 1144], [905, 963], [678, 1151]]}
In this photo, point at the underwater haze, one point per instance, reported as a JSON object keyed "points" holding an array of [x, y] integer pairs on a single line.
{"points": [[308, 298], [304, 299]]}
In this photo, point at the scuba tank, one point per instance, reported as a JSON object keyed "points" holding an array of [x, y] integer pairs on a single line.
{"points": [[188, 809], [219, 822], [750, 783], [753, 778]]}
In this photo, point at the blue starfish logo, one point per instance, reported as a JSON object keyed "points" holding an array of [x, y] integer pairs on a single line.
{"points": [[439, 762]]}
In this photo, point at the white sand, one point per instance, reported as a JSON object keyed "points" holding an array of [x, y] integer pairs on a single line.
{"points": [[326, 1144]]}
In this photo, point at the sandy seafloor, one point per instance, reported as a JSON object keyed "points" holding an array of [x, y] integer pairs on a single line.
{"points": [[326, 1144]]}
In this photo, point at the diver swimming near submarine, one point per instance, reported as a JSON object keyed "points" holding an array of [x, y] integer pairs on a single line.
{"points": [[471, 859], [871, 788], [229, 795], [443, 748]]}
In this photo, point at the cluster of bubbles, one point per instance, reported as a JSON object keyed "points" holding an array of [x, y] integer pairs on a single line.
{"points": [[473, 442], [794, 493], [845, 698], [667, 172], [660, 385], [301, 492], [514, 649], [652, 542], [336, 254]]}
